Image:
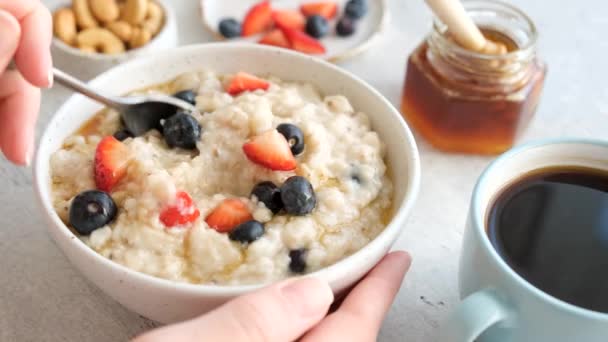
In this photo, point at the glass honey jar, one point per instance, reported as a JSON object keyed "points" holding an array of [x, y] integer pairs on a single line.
{"points": [[470, 102]]}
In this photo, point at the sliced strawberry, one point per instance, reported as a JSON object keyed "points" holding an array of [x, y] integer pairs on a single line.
{"points": [[275, 38], [258, 19], [181, 211], [228, 214], [111, 160], [327, 9], [271, 150], [243, 81], [288, 18], [302, 42]]}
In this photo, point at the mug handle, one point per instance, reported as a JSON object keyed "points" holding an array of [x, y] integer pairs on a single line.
{"points": [[474, 315]]}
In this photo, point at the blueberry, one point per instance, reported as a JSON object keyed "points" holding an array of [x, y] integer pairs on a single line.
{"points": [[247, 232], [317, 26], [355, 174], [297, 262], [91, 210], [182, 130], [186, 95], [230, 28], [355, 9], [294, 136], [298, 196], [345, 27], [269, 194], [123, 134]]}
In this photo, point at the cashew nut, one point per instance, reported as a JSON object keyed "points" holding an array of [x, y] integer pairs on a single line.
{"points": [[87, 49], [108, 26], [105, 10], [121, 29], [101, 40], [64, 25], [139, 38], [134, 11], [154, 18], [84, 17]]}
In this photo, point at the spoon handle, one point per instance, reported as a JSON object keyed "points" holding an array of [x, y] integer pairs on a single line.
{"points": [[82, 88], [463, 29], [455, 17]]}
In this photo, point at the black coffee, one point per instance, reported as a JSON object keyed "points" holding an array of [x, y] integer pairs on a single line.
{"points": [[551, 227]]}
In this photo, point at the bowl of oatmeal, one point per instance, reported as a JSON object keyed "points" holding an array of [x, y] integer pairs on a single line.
{"points": [[290, 167]]}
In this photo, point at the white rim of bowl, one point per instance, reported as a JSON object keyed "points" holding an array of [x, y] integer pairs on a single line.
{"points": [[340, 57], [169, 16], [394, 227]]}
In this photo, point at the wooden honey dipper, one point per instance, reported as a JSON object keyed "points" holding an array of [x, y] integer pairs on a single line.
{"points": [[463, 29]]}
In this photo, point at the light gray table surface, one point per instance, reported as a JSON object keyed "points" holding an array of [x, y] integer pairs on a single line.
{"points": [[42, 298]]}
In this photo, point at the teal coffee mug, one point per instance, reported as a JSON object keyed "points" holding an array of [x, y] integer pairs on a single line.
{"points": [[498, 304]]}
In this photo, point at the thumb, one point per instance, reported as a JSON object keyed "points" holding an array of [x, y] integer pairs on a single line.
{"points": [[282, 312]]}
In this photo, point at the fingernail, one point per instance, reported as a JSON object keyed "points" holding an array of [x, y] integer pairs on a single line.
{"points": [[29, 155], [310, 296], [404, 256], [9, 31], [50, 78]]}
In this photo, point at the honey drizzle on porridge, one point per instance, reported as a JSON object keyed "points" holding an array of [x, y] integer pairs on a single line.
{"points": [[97, 125]]}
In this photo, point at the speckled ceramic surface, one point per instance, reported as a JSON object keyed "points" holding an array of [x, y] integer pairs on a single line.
{"points": [[369, 28], [43, 295]]}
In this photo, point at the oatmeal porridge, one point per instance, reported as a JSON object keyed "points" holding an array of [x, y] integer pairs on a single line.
{"points": [[269, 179]]}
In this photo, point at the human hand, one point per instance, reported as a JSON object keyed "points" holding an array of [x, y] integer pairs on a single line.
{"points": [[25, 37], [296, 309]]}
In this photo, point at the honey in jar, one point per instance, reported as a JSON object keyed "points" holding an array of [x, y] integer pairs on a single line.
{"points": [[463, 101]]}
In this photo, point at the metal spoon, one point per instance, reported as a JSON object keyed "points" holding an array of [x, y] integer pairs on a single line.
{"points": [[139, 113]]}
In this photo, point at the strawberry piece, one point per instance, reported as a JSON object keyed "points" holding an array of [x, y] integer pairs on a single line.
{"points": [[290, 19], [111, 160], [228, 214], [271, 150], [275, 38], [181, 211], [243, 81], [302, 42], [258, 19], [327, 9]]}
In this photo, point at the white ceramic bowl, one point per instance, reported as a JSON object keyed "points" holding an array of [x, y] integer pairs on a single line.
{"points": [[166, 301], [87, 65]]}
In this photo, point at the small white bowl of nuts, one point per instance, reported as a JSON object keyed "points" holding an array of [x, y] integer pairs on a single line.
{"points": [[91, 36]]}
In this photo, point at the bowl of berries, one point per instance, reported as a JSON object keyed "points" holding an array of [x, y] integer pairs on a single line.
{"points": [[290, 166], [330, 29]]}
